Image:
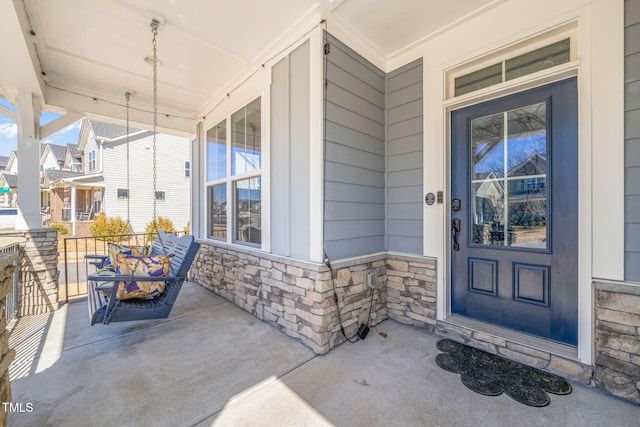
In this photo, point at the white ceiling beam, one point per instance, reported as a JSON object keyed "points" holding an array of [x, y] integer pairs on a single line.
{"points": [[21, 69], [59, 124], [8, 113]]}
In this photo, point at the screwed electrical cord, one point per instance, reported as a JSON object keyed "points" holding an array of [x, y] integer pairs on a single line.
{"points": [[335, 297]]}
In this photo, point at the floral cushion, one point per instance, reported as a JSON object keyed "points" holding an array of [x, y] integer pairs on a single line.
{"points": [[113, 249], [150, 266]]}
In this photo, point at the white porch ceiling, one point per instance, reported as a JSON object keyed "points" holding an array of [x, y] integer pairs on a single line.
{"points": [[96, 48]]}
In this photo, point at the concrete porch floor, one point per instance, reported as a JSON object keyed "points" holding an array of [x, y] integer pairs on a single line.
{"points": [[211, 363]]}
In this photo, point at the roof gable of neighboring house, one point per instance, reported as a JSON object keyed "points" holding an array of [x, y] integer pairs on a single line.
{"points": [[535, 164], [110, 131], [8, 180], [48, 159], [58, 151], [83, 136], [12, 164], [72, 156], [4, 160]]}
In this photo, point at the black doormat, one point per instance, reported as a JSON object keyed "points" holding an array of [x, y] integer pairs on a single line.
{"points": [[492, 375]]}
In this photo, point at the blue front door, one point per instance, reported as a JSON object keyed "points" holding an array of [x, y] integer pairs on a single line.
{"points": [[514, 219]]}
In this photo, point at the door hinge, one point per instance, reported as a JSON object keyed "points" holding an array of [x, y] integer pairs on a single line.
{"points": [[327, 48]]}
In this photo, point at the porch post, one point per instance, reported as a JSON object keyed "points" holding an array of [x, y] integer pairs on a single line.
{"points": [[316, 146], [28, 163], [73, 209], [197, 193]]}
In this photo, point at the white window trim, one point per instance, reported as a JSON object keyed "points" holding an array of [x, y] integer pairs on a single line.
{"points": [[94, 161], [600, 97], [229, 180], [565, 31], [123, 198]]}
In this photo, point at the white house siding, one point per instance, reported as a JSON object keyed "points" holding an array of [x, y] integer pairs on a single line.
{"points": [[49, 162], [12, 165], [172, 152]]}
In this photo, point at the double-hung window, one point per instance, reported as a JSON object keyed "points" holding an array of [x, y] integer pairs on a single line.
{"points": [[92, 160], [234, 177]]}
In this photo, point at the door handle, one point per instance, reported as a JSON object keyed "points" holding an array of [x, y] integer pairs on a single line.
{"points": [[455, 229]]}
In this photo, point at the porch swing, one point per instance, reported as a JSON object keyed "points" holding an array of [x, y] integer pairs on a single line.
{"points": [[128, 286]]}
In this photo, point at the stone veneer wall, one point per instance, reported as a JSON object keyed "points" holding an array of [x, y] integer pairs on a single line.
{"points": [[617, 364], [411, 290], [6, 354], [296, 297], [38, 270]]}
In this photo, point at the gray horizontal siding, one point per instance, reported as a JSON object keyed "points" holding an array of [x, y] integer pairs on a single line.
{"points": [[348, 137], [349, 211], [632, 67], [632, 152], [355, 154], [404, 159], [632, 140]]}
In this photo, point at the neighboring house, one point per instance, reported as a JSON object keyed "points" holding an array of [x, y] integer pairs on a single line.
{"points": [[5, 189], [12, 163], [107, 174], [9, 184], [52, 157]]}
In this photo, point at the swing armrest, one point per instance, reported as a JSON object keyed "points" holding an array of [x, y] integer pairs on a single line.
{"points": [[96, 260]]}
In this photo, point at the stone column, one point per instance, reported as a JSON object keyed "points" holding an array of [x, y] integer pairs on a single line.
{"points": [[38, 289], [28, 163], [617, 361], [6, 354]]}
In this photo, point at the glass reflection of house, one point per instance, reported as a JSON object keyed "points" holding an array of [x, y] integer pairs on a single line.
{"points": [[526, 200], [528, 192]]}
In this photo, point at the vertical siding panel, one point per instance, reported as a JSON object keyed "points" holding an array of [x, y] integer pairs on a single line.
{"points": [[280, 181], [632, 139], [354, 123], [290, 150], [300, 150], [404, 159]]}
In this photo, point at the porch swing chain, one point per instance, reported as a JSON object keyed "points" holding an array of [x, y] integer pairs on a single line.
{"points": [[127, 95], [154, 28]]}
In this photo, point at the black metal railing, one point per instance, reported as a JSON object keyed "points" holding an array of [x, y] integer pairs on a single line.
{"points": [[75, 268], [11, 303]]}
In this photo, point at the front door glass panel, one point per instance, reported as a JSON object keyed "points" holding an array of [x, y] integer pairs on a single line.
{"points": [[509, 197]]}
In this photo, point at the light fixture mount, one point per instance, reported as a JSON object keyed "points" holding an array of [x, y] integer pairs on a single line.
{"points": [[149, 60]]}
